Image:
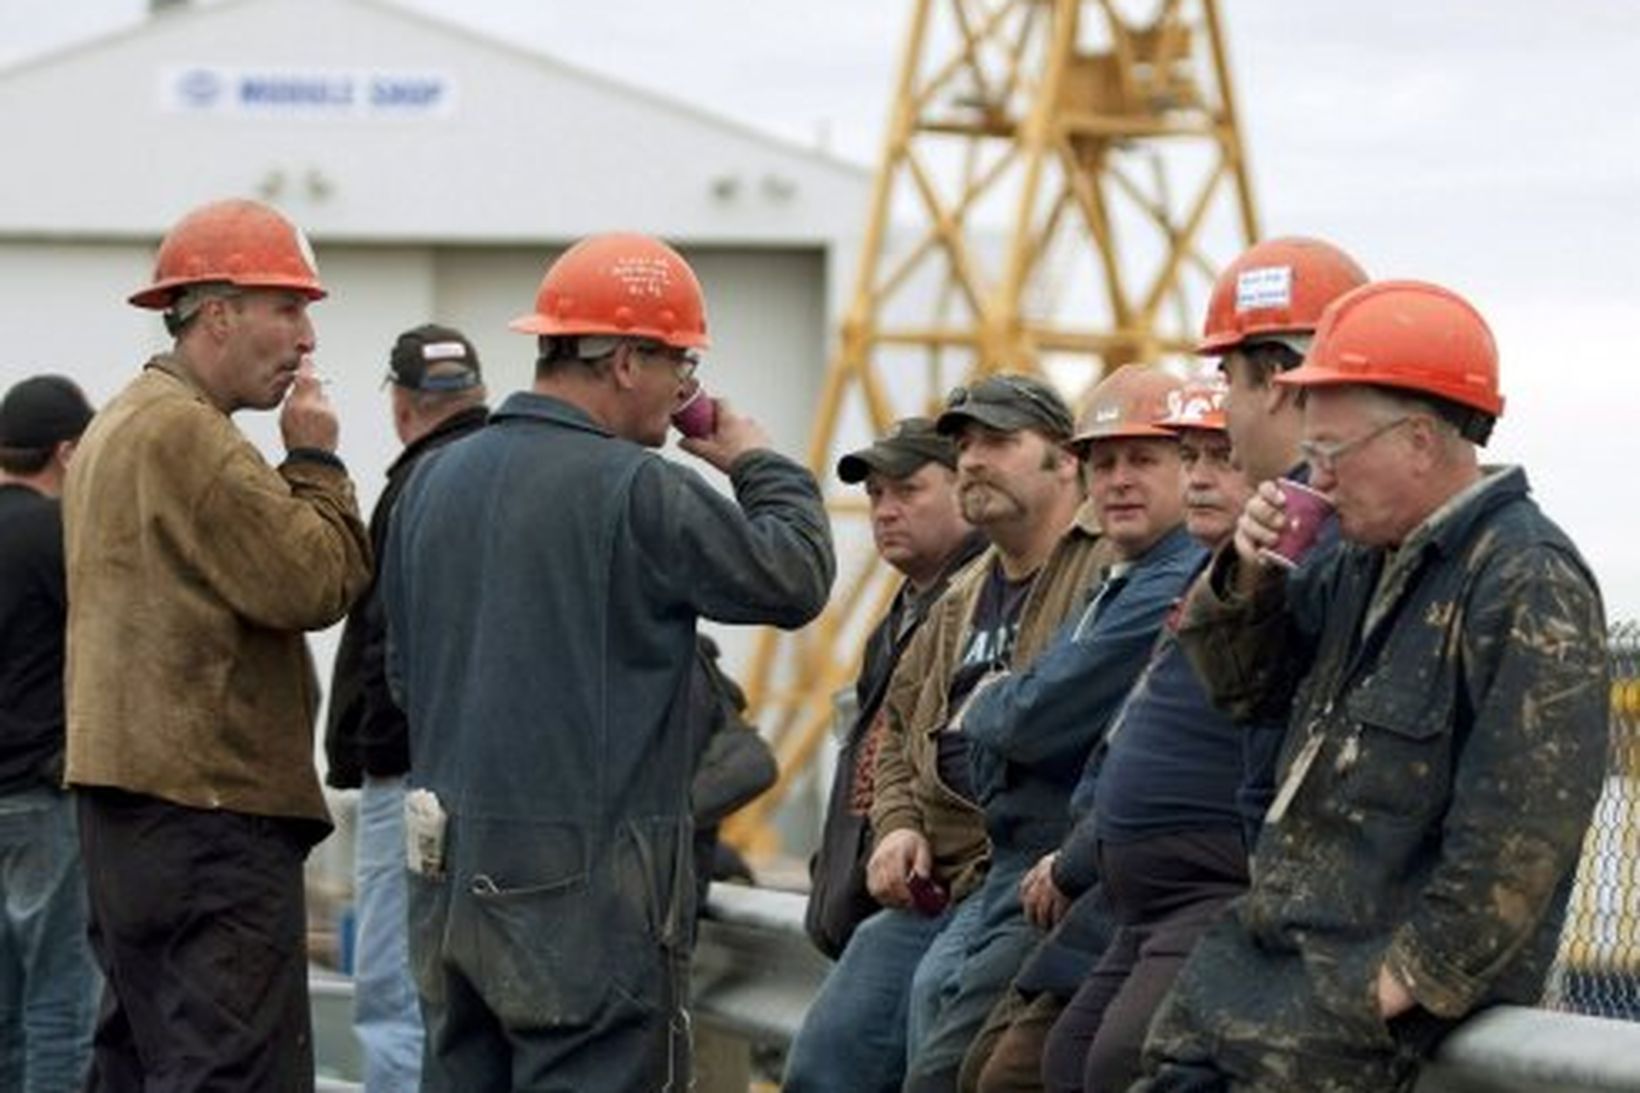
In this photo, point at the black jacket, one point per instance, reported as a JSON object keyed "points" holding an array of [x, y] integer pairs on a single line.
{"points": [[365, 732], [838, 899]]}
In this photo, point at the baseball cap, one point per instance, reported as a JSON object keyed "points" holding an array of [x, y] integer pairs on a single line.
{"points": [[42, 411], [912, 442], [431, 357], [1008, 402]]}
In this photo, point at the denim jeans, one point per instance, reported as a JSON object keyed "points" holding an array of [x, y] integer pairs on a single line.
{"points": [[966, 972], [48, 979], [853, 1039], [386, 1011]]}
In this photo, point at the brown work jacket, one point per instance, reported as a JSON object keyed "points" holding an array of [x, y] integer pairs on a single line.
{"points": [[909, 792], [193, 569]]}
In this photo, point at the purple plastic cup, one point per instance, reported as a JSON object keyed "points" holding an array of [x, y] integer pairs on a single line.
{"points": [[928, 896], [1307, 512], [698, 416]]}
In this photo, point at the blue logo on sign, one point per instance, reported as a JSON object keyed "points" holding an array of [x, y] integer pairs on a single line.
{"points": [[200, 87]]}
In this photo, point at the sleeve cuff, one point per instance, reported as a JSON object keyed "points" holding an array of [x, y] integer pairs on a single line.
{"points": [[1438, 986], [315, 455]]}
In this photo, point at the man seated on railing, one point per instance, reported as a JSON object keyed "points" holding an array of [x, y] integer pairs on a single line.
{"points": [[910, 480], [1031, 730], [1023, 490], [1447, 679]]}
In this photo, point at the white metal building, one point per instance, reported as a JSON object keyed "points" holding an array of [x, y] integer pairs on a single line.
{"points": [[437, 172]]}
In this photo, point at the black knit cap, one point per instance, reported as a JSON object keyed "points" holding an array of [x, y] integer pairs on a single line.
{"points": [[43, 411], [431, 357]]}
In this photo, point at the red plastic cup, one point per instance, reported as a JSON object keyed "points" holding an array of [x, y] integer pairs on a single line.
{"points": [[1307, 512], [698, 416], [928, 896]]}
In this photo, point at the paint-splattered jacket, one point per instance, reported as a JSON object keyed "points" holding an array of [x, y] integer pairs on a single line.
{"points": [[1457, 694]]}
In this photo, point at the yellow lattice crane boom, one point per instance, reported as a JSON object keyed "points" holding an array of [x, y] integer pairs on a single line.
{"points": [[1054, 176]]}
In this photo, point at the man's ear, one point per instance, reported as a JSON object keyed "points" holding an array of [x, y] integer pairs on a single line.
{"points": [[624, 365]]}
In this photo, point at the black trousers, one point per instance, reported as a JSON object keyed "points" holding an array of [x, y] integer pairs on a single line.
{"points": [[198, 922], [1165, 892]]}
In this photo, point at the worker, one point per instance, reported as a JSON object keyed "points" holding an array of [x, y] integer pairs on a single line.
{"points": [[1164, 836], [542, 581], [1447, 680], [1023, 490], [47, 974], [193, 569], [910, 480], [1037, 733], [1260, 322], [436, 396]]}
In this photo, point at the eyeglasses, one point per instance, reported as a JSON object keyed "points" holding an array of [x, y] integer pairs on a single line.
{"points": [[1325, 457], [683, 361]]}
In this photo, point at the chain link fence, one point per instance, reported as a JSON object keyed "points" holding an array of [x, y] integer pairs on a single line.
{"points": [[1598, 969]]}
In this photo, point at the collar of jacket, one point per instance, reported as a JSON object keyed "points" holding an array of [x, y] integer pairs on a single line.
{"points": [[534, 406], [1451, 523], [166, 364], [459, 422], [1175, 543], [1084, 525]]}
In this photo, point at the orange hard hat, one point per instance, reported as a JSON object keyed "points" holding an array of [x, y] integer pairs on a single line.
{"points": [[1199, 404], [621, 284], [1279, 286], [1409, 335], [236, 242], [1132, 401]]}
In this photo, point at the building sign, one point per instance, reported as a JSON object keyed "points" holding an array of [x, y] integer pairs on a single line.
{"points": [[307, 93]]}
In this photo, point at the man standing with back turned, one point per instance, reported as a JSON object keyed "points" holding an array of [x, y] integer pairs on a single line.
{"points": [[543, 579], [193, 569], [437, 397]]}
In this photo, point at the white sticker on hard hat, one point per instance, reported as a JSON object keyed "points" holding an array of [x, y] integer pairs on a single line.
{"points": [[1107, 413], [1266, 287], [443, 351], [306, 249], [642, 276]]}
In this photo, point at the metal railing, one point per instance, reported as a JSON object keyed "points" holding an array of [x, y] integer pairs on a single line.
{"points": [[755, 973]]}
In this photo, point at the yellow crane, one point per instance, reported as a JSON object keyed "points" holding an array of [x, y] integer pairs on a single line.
{"points": [[1052, 180]]}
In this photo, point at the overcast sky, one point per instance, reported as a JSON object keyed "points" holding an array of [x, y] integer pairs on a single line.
{"points": [[1490, 145]]}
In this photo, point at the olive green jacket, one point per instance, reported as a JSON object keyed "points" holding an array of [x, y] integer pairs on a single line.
{"points": [[193, 569], [909, 792]]}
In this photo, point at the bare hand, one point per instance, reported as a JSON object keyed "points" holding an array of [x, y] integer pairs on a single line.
{"points": [[308, 420], [1259, 525], [898, 855], [734, 436], [1393, 998], [1044, 903]]}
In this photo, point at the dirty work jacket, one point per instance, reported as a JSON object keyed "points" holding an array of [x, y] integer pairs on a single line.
{"points": [[193, 568], [909, 791], [542, 582], [1458, 732]]}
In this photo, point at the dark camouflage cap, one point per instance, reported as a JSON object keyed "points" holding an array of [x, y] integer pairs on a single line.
{"points": [[900, 453], [1008, 403]]}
